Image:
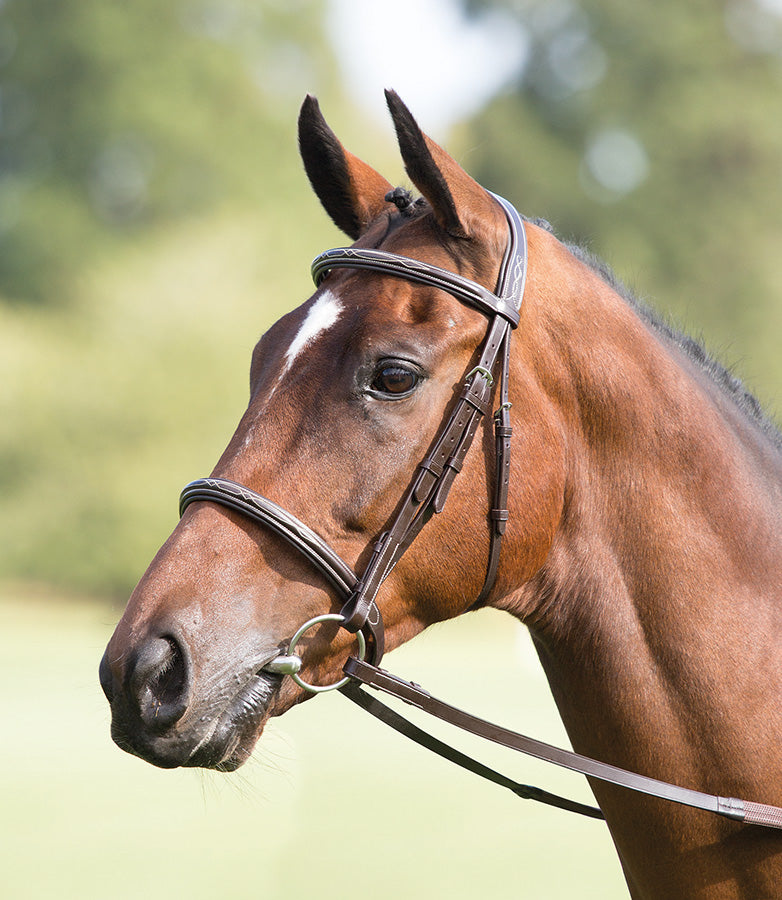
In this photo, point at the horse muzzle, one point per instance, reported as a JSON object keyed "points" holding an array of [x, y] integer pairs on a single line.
{"points": [[156, 716]]}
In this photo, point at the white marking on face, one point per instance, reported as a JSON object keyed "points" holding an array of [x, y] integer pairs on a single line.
{"points": [[323, 314]]}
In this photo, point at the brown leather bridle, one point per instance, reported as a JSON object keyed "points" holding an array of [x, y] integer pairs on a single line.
{"points": [[429, 488], [425, 497]]}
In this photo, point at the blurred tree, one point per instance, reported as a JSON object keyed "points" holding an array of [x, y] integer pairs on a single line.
{"points": [[154, 219], [118, 116], [653, 133]]}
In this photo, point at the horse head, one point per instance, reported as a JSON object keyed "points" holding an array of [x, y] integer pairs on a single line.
{"points": [[347, 394]]}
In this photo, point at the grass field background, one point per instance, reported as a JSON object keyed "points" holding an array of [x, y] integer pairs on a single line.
{"points": [[332, 803]]}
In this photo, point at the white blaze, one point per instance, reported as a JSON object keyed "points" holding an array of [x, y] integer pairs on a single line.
{"points": [[323, 314]]}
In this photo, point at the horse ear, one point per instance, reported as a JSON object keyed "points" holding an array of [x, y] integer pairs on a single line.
{"points": [[459, 203], [351, 192]]}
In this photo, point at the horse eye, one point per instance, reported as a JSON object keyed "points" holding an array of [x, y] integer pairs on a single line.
{"points": [[394, 380]]}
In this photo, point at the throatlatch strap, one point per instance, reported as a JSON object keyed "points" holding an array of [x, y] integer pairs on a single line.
{"points": [[499, 514]]}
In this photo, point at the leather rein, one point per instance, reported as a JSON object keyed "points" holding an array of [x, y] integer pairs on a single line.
{"points": [[425, 497]]}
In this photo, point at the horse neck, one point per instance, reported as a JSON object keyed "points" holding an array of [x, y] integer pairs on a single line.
{"points": [[658, 611]]}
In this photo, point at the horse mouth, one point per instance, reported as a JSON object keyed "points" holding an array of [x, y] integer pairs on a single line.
{"points": [[229, 742], [211, 735]]}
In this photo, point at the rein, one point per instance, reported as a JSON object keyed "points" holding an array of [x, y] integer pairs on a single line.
{"points": [[425, 497], [361, 673]]}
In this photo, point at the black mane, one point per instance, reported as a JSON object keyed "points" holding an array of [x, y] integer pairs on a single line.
{"points": [[716, 371]]}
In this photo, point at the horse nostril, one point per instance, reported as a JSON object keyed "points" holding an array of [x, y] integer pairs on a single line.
{"points": [[160, 682]]}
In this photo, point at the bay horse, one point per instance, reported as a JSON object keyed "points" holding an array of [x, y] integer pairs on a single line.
{"points": [[641, 534]]}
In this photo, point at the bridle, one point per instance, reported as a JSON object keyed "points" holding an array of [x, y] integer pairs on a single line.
{"points": [[432, 481], [426, 496]]}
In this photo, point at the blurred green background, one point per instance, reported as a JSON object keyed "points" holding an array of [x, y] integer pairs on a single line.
{"points": [[154, 220]]}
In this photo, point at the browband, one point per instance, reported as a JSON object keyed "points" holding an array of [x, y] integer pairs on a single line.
{"points": [[413, 270], [512, 273]]}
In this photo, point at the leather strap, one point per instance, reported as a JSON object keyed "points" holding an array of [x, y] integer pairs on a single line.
{"points": [[435, 475], [405, 727], [728, 807], [267, 513], [499, 514], [414, 270], [433, 480]]}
